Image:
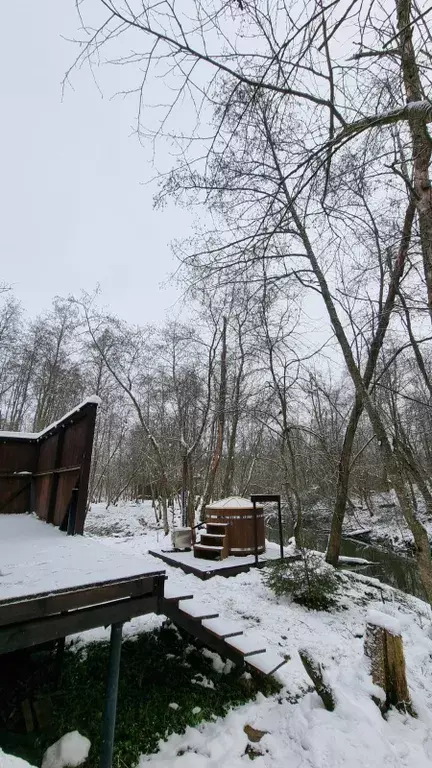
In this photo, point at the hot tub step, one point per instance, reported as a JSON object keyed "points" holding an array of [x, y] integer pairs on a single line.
{"points": [[216, 528], [207, 552], [213, 539]]}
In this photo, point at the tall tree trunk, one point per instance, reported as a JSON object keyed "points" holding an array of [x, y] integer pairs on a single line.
{"points": [[334, 545], [227, 485], [220, 422], [421, 140], [423, 553]]}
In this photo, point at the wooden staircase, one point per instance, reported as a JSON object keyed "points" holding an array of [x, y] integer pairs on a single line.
{"points": [[226, 637], [213, 544]]}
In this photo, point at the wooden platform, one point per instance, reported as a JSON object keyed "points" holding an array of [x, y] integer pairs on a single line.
{"points": [[53, 585], [230, 566]]}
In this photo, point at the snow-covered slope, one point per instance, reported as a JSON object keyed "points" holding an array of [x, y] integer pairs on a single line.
{"points": [[301, 733]]}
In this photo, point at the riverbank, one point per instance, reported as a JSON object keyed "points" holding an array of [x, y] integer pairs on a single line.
{"points": [[380, 522]]}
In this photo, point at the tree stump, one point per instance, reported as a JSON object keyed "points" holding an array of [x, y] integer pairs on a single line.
{"points": [[383, 646]]}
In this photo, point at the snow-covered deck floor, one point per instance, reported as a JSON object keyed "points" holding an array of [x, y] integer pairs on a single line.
{"points": [[37, 559], [231, 566]]}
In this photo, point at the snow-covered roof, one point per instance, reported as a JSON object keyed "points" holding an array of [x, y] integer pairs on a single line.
{"points": [[37, 435], [232, 502]]}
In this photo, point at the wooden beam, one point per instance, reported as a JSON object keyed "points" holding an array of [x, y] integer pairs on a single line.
{"points": [[14, 495], [43, 605], [55, 477], [27, 634], [85, 470], [59, 471]]}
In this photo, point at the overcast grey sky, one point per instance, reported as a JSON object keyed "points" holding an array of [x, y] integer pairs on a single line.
{"points": [[75, 209]]}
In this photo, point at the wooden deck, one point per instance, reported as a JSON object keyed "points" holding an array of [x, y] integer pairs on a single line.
{"points": [[53, 585], [231, 566]]}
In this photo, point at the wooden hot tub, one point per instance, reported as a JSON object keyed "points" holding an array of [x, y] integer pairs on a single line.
{"points": [[237, 515]]}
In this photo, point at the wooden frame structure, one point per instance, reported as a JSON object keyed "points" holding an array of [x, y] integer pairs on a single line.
{"points": [[40, 471], [53, 615]]}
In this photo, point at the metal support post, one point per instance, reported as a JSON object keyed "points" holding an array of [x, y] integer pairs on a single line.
{"points": [[109, 716], [58, 663], [281, 542], [255, 531], [261, 498], [160, 588]]}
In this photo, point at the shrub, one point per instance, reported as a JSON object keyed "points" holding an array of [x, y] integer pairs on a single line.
{"points": [[310, 581]]}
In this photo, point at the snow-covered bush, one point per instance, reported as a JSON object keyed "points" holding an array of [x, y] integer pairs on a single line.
{"points": [[310, 581]]}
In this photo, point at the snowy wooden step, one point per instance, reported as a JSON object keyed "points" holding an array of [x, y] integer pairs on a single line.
{"points": [[174, 594], [222, 628], [213, 540], [197, 610], [247, 644], [267, 663], [217, 525], [209, 552]]}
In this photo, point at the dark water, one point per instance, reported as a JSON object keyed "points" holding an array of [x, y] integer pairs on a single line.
{"points": [[396, 570]]}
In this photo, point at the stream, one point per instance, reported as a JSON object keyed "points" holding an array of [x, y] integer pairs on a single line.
{"points": [[396, 570]]}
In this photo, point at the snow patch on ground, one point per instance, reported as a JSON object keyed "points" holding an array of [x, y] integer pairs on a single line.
{"points": [[71, 750], [10, 761]]}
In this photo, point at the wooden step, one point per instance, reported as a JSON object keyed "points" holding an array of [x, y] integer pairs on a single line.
{"points": [[213, 539], [222, 628], [267, 663], [210, 553], [247, 644], [216, 528], [199, 611], [174, 594]]}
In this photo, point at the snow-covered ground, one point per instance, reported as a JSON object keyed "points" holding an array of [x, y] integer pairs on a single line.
{"points": [[300, 732]]}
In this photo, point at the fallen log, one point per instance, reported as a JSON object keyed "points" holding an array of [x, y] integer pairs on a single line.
{"points": [[316, 674]]}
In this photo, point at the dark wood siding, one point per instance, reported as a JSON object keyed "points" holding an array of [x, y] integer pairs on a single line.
{"points": [[56, 462]]}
